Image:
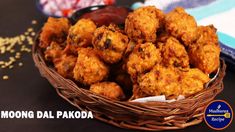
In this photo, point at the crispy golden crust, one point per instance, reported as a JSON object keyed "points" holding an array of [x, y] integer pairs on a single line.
{"points": [[55, 29], [192, 81], [160, 81], [80, 35], [70, 49], [204, 53], [205, 57], [155, 54], [207, 34], [108, 89], [174, 54], [181, 25], [65, 65], [89, 68], [142, 59], [170, 81], [53, 52], [142, 24], [110, 43]]}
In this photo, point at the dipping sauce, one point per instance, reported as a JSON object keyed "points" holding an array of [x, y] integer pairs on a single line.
{"points": [[107, 15]]}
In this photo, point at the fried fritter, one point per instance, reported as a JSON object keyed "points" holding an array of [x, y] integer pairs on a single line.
{"points": [[65, 65], [142, 24], [160, 81], [193, 81], [174, 54], [155, 54], [108, 89], [205, 53], [80, 35], [142, 59], [55, 29], [181, 25], [205, 57], [89, 68], [53, 52], [207, 34], [170, 81], [110, 43]]}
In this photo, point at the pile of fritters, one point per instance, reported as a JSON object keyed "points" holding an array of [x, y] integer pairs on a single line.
{"points": [[155, 54]]}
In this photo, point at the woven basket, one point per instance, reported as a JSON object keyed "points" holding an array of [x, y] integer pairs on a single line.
{"points": [[151, 116]]}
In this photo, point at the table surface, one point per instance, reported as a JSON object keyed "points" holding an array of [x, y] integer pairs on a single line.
{"points": [[27, 90]]}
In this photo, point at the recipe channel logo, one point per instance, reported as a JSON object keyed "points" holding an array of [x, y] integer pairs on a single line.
{"points": [[218, 115]]}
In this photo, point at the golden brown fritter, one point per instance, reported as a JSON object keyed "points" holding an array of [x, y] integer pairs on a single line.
{"points": [[89, 68], [142, 59], [155, 54], [174, 54], [205, 57], [80, 34], [181, 25], [108, 89], [70, 49], [142, 24], [204, 53], [192, 81], [55, 29], [65, 65], [207, 34], [160, 81], [53, 51], [110, 43], [170, 81]]}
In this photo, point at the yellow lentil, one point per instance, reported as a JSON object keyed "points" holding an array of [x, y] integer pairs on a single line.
{"points": [[5, 77], [20, 64], [13, 47]]}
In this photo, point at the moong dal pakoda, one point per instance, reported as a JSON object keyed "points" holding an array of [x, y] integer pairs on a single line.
{"points": [[155, 54]]}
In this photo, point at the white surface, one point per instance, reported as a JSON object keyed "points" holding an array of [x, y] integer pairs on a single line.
{"points": [[224, 22], [160, 98], [160, 4]]}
